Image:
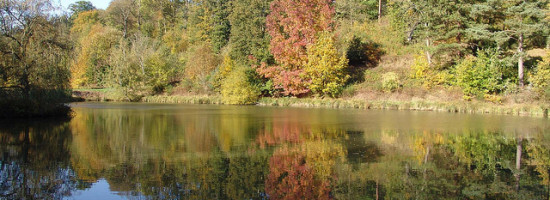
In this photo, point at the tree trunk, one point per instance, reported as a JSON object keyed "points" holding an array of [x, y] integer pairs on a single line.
{"points": [[379, 10], [520, 60], [428, 55], [518, 161], [377, 195]]}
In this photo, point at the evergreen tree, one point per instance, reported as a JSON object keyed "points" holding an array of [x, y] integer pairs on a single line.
{"points": [[248, 31], [81, 6], [508, 25], [524, 21], [439, 24], [209, 22]]}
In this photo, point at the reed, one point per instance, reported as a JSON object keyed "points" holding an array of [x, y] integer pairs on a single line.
{"points": [[534, 110], [420, 105], [202, 99]]}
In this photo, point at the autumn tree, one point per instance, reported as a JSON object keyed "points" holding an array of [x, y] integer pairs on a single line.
{"points": [[123, 15], [200, 65], [33, 46], [292, 26], [325, 69], [96, 41], [33, 59], [157, 17], [129, 70], [238, 87], [93, 42]]}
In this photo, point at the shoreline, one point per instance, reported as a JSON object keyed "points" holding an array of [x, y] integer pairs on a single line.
{"points": [[472, 107], [354, 103]]}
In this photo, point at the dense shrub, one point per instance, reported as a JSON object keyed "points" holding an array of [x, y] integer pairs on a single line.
{"points": [[223, 71], [390, 82], [363, 53], [427, 75], [237, 87], [480, 75]]}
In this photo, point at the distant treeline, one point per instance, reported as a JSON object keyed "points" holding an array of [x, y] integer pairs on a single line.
{"points": [[246, 49]]}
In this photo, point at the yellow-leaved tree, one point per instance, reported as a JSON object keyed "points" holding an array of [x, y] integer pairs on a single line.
{"points": [[541, 78], [325, 69]]}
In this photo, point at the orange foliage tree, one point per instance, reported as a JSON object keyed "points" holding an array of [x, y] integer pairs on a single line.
{"points": [[292, 26]]}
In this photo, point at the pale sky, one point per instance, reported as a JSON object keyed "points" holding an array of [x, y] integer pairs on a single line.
{"points": [[100, 4]]}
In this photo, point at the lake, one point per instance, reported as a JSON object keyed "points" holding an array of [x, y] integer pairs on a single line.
{"points": [[175, 151]]}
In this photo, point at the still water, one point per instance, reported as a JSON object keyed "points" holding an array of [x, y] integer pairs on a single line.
{"points": [[169, 151]]}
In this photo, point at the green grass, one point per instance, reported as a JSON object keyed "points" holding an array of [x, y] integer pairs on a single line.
{"points": [[94, 90], [420, 105], [458, 107], [204, 99]]}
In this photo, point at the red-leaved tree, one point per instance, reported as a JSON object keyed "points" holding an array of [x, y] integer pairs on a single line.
{"points": [[292, 25]]}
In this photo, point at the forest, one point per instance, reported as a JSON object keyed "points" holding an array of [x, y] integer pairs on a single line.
{"points": [[243, 50]]}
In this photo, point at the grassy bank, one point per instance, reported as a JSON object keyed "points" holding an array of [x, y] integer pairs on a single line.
{"points": [[420, 105]]}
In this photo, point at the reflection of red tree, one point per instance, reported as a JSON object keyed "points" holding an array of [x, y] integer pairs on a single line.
{"points": [[291, 178], [280, 132]]}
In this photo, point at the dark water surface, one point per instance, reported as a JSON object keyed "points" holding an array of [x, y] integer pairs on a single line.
{"points": [[168, 151]]}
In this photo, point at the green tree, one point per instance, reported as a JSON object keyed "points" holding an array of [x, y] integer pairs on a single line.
{"points": [[157, 17], [439, 24], [129, 71], [248, 31], [359, 10], [524, 22], [480, 75], [209, 22], [81, 6], [325, 69], [507, 25]]}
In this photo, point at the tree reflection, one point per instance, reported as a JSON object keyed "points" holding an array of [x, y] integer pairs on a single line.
{"points": [[291, 177], [35, 160], [281, 155], [472, 165]]}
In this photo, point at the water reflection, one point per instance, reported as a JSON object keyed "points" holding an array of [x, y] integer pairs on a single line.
{"points": [[35, 160], [223, 152]]}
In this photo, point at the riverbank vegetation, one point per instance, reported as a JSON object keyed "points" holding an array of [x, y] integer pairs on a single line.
{"points": [[34, 60], [247, 50]]}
